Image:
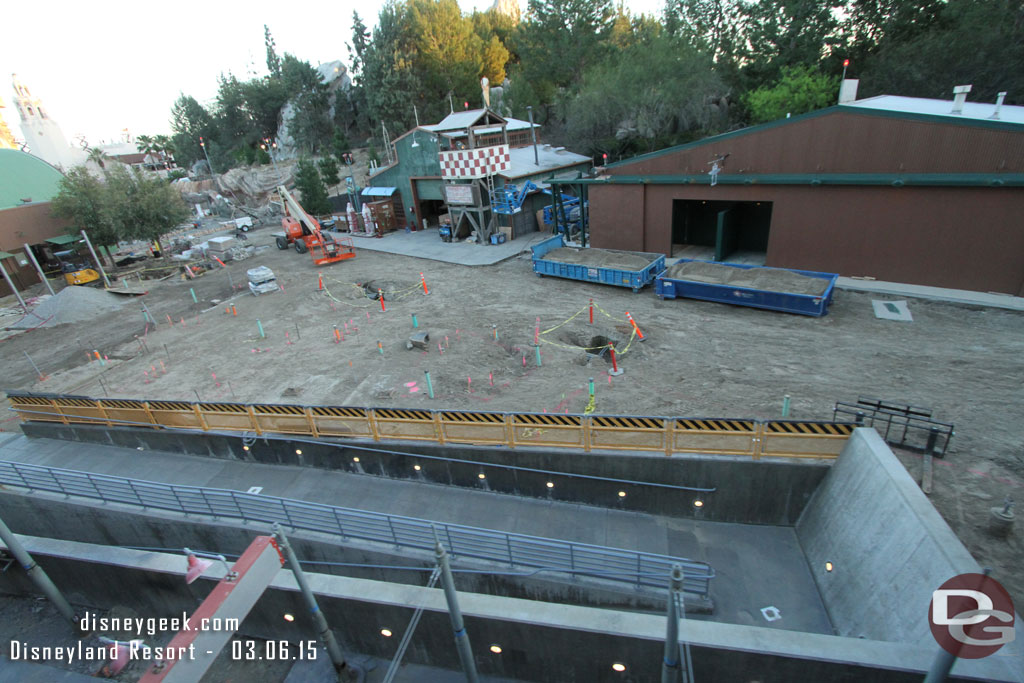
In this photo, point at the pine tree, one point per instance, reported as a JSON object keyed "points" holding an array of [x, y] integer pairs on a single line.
{"points": [[273, 61], [311, 187]]}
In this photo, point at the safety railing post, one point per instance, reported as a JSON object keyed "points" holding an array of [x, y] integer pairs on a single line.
{"points": [[572, 558], [371, 418], [394, 536], [508, 547], [450, 546], [92, 483], [238, 508], [181, 505], [337, 520], [59, 483], [135, 492]]}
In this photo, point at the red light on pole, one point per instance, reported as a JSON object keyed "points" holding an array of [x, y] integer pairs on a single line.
{"points": [[604, 157], [466, 104], [846, 62]]}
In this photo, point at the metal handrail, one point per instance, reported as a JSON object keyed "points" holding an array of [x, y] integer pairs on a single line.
{"points": [[577, 559]]}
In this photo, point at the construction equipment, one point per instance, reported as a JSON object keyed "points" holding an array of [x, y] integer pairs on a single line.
{"points": [[76, 272], [304, 232]]}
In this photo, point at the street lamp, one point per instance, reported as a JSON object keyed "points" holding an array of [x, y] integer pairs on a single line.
{"points": [[269, 147], [202, 144]]}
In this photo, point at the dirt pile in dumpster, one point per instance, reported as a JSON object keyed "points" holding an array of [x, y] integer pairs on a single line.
{"points": [[601, 258], [768, 279]]}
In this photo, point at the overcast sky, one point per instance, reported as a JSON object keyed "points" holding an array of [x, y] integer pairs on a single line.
{"points": [[106, 65]]}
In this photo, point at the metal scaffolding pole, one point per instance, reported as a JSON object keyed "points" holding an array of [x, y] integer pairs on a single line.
{"points": [[42, 275], [677, 665], [458, 626], [345, 672], [96, 259], [3, 271], [36, 573]]}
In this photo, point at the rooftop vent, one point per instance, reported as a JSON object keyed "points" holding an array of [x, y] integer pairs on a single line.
{"points": [[959, 97], [848, 90], [999, 104]]}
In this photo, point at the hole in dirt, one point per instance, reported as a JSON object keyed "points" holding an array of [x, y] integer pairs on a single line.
{"points": [[291, 392], [389, 288], [592, 345]]}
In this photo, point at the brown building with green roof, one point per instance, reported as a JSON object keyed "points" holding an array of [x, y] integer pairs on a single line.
{"points": [[895, 188]]}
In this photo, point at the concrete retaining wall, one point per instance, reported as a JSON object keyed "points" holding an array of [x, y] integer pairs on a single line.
{"points": [[747, 491], [888, 545], [540, 641]]}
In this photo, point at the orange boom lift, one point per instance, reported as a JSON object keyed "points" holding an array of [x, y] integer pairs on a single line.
{"points": [[304, 232]]}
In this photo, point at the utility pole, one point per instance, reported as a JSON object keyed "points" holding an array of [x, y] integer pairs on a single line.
{"points": [[533, 131], [202, 144], [345, 672], [36, 573], [458, 626]]}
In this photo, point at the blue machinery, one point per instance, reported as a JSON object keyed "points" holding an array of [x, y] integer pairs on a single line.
{"points": [[565, 214]]}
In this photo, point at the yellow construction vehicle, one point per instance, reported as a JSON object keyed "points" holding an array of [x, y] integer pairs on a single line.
{"points": [[77, 273], [80, 274]]}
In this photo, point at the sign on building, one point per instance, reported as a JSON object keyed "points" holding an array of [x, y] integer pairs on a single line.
{"points": [[462, 195]]}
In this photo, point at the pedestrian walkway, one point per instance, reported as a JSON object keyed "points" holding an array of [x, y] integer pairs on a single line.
{"points": [[956, 296], [428, 244], [755, 566]]}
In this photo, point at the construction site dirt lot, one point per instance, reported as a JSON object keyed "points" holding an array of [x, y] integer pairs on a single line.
{"points": [[699, 359]]}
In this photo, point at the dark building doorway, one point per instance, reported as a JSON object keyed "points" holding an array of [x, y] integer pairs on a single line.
{"points": [[717, 230]]}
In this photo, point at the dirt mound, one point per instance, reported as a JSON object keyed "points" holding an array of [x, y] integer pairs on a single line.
{"points": [[600, 258], [70, 305], [768, 279]]}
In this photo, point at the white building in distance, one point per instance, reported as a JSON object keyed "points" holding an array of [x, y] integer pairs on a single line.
{"points": [[42, 134]]}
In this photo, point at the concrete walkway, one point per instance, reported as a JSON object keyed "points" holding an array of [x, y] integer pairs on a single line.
{"points": [[756, 566], [427, 244], [956, 296]]}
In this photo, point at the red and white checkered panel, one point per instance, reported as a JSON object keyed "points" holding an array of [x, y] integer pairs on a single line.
{"points": [[475, 163]]}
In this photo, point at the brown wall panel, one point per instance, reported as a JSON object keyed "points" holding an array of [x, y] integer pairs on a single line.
{"points": [[963, 238], [29, 224], [619, 211], [847, 142]]}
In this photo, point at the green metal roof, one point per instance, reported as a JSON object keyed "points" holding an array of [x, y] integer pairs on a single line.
{"points": [[61, 240], [893, 179], [837, 109], [5, 254], [23, 176]]}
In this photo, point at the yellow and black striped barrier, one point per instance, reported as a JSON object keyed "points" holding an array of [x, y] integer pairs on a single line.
{"points": [[716, 436], [341, 421], [547, 429], [401, 423], [627, 432], [792, 439], [458, 426], [709, 436]]}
